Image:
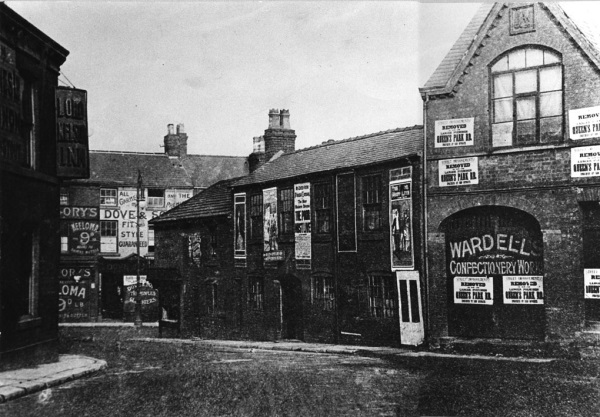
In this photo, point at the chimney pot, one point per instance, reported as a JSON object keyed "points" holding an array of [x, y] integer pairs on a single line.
{"points": [[285, 119], [180, 128], [170, 130], [274, 122]]}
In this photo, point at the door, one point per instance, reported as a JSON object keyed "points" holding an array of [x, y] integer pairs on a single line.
{"points": [[412, 331]]}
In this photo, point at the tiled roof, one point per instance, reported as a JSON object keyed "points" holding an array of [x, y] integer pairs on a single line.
{"points": [[158, 170], [335, 155], [216, 200], [447, 74]]}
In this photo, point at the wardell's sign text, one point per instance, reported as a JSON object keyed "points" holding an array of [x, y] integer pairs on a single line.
{"points": [[72, 151], [460, 171], [454, 132]]}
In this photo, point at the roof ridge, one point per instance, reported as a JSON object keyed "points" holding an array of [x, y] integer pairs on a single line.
{"points": [[103, 151]]}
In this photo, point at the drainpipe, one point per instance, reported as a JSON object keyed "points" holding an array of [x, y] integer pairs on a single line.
{"points": [[425, 211]]}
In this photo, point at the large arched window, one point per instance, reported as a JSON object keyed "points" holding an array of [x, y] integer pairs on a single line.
{"points": [[527, 97]]}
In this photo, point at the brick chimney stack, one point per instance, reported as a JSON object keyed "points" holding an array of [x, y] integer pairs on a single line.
{"points": [[278, 137], [176, 143]]}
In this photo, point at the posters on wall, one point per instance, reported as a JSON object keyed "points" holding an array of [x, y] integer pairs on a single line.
{"points": [[585, 161], [459, 171], [454, 132], [302, 223], [401, 235], [473, 290], [523, 289], [84, 237], [271, 250], [75, 284], [240, 225], [591, 283], [584, 123]]}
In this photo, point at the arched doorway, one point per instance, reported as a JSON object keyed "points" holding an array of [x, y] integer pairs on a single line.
{"points": [[291, 308], [494, 274]]}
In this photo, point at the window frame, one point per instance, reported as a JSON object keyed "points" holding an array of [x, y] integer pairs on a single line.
{"points": [[323, 292], [322, 208], [285, 200], [514, 97], [103, 231], [256, 293], [155, 201], [103, 203], [256, 217], [383, 299], [368, 187]]}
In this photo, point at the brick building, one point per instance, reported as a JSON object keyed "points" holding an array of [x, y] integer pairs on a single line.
{"points": [[512, 166], [99, 231], [318, 244], [35, 154]]}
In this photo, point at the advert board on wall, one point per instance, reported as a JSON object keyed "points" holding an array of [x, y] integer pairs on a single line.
{"points": [[523, 289], [302, 221], [401, 218], [454, 132], [459, 171], [585, 161], [473, 290], [584, 123], [591, 283]]}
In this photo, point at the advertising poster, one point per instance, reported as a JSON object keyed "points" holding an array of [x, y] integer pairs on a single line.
{"points": [[454, 132], [195, 248], [126, 216], [591, 283], [584, 123], [271, 250], [401, 224], [302, 221], [240, 225], [75, 284], [523, 289], [148, 296], [585, 161], [84, 237], [473, 290], [460, 171]]}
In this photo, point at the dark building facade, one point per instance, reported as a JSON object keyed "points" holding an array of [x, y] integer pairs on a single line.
{"points": [[34, 155], [511, 121], [105, 235], [319, 244]]}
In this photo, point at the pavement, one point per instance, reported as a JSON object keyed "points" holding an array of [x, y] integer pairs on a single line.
{"points": [[20, 382]]}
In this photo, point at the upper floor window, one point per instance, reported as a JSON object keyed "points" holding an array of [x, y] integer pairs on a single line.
{"points": [[64, 197], [527, 97], [256, 207], [322, 207], [371, 202], [108, 197], [286, 211], [156, 197]]}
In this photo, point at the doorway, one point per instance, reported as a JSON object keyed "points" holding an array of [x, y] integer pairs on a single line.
{"points": [[291, 310]]}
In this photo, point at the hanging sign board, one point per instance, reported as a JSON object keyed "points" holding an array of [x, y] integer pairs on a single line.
{"points": [[584, 123], [591, 283], [473, 290], [454, 132], [523, 289], [72, 149], [585, 161], [460, 171]]}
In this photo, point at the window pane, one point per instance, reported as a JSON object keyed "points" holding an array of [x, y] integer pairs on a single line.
{"points": [[526, 132], [525, 108], [501, 65], [551, 79], [525, 81], [550, 58], [502, 134], [503, 110], [551, 104], [503, 85], [516, 59], [551, 129], [534, 57]]}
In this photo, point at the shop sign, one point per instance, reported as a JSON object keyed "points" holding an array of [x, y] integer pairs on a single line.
{"points": [[584, 123], [148, 297], [302, 220], [72, 150], [127, 223], [585, 161], [271, 250], [73, 300], [523, 289], [460, 171], [454, 132], [401, 243], [84, 237], [591, 283], [473, 290], [85, 213], [132, 280]]}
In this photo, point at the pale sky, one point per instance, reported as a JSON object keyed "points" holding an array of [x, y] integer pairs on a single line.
{"points": [[343, 69]]}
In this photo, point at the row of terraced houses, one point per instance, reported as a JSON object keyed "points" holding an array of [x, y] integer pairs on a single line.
{"points": [[482, 223]]}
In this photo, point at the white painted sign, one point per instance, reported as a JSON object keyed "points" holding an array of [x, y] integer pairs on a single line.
{"points": [[591, 283], [132, 280], [473, 290], [454, 132], [302, 221], [585, 161], [460, 171], [523, 289], [584, 123]]}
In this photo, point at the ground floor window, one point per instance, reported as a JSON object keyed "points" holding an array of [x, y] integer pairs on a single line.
{"points": [[28, 275], [323, 292], [382, 297], [256, 292]]}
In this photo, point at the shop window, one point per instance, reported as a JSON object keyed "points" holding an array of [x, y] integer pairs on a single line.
{"points": [[108, 197], [527, 97], [151, 239], [322, 208], [256, 291], [108, 236], [382, 297], [371, 202], [256, 220], [156, 197], [64, 237], [286, 211], [28, 275], [64, 197], [323, 292]]}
